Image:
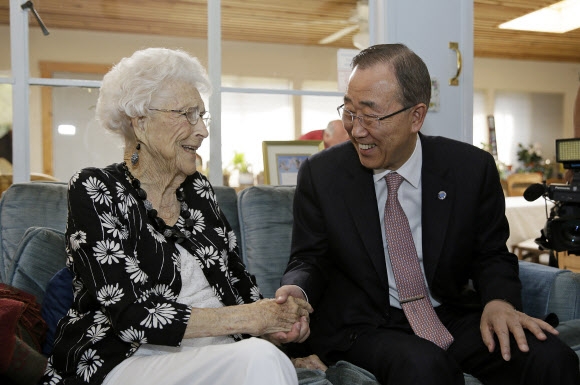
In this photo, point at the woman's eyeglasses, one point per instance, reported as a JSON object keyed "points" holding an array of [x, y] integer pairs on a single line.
{"points": [[192, 114]]}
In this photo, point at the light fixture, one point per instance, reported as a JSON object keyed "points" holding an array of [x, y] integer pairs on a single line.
{"points": [[560, 17], [66, 129], [361, 40]]}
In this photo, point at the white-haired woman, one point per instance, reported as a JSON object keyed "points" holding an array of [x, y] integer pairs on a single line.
{"points": [[161, 295]]}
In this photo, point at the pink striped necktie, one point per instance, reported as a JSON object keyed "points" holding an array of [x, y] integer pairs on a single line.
{"points": [[413, 294]]}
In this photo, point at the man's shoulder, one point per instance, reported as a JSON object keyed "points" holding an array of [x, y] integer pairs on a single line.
{"points": [[441, 146], [334, 153]]}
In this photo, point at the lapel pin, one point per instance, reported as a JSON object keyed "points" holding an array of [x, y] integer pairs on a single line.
{"points": [[441, 195]]}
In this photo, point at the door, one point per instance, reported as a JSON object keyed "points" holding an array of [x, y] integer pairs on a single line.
{"points": [[428, 27]]}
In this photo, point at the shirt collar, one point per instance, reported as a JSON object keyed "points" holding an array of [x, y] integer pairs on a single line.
{"points": [[410, 170]]}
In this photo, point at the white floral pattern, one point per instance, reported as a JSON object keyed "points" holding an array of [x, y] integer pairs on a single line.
{"points": [[165, 292], [108, 251], [89, 364], [159, 316], [208, 254], [73, 315], [101, 318], [156, 234], [77, 239], [176, 258], [114, 226], [232, 240], [133, 272], [198, 221], [96, 333], [55, 378], [203, 188], [98, 191], [222, 232], [110, 294]]}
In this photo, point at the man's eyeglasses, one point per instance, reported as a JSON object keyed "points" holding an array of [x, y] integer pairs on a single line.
{"points": [[192, 114], [367, 121]]}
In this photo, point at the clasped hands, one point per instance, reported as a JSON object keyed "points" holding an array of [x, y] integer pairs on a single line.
{"points": [[285, 318], [299, 330], [501, 318]]}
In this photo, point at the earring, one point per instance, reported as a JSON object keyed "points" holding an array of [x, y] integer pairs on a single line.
{"points": [[135, 156]]}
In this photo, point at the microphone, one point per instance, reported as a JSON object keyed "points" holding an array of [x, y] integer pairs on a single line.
{"points": [[534, 191]]}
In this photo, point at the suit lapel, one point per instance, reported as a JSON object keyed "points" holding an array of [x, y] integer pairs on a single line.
{"points": [[438, 196], [359, 195]]}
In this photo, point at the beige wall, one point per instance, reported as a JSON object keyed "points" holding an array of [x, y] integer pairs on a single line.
{"points": [[297, 63], [492, 75]]}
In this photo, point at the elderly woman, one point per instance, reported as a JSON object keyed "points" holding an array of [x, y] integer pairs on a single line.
{"points": [[160, 293]]}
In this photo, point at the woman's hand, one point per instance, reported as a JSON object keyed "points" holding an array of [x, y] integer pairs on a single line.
{"points": [[258, 318], [269, 316]]}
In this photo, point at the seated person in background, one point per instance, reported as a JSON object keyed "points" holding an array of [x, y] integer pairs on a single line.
{"points": [[160, 293], [312, 135], [399, 244], [334, 133]]}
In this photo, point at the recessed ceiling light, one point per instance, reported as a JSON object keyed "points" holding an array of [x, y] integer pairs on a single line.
{"points": [[560, 17], [67, 129]]}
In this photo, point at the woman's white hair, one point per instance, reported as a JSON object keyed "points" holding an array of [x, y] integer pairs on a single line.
{"points": [[127, 88]]}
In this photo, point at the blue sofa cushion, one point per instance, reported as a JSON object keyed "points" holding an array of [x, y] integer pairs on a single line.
{"points": [[24, 205], [39, 256], [227, 200], [57, 301], [265, 214]]}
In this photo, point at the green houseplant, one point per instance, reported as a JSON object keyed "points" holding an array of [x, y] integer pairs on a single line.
{"points": [[244, 169], [531, 158]]}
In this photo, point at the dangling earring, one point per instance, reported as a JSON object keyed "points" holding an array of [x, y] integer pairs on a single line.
{"points": [[135, 156]]}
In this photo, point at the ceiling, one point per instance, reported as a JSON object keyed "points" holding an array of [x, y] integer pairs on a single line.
{"points": [[293, 22]]}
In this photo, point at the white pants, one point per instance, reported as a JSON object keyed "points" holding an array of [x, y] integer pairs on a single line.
{"points": [[249, 362]]}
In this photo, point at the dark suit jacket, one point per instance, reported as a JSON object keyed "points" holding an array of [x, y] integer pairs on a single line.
{"points": [[337, 252]]}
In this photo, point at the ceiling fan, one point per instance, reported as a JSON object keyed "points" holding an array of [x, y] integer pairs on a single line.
{"points": [[358, 21]]}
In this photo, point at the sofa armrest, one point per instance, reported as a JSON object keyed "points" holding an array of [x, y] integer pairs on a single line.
{"points": [[547, 289], [565, 298], [40, 254]]}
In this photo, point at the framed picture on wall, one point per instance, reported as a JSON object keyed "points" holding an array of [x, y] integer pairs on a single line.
{"points": [[282, 159]]}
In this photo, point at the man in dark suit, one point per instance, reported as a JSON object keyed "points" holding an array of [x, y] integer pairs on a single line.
{"points": [[342, 262]]}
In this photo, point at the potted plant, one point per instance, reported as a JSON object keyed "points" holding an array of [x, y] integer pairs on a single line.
{"points": [[531, 157], [239, 163]]}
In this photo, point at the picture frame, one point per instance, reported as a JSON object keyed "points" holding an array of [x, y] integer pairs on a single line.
{"points": [[282, 159]]}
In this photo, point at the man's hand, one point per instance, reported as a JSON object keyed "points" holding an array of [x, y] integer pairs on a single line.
{"points": [[310, 362], [501, 318], [300, 330]]}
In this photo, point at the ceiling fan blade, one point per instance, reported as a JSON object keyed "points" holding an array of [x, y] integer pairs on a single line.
{"points": [[338, 34]]}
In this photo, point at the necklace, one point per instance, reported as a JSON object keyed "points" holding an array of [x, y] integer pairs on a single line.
{"points": [[175, 233]]}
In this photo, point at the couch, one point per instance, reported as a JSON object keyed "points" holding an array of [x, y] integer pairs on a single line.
{"points": [[33, 219]]}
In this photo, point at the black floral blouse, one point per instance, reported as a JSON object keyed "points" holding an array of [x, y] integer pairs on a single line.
{"points": [[127, 274]]}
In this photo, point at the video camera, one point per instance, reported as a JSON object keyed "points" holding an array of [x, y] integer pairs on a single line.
{"points": [[562, 229]]}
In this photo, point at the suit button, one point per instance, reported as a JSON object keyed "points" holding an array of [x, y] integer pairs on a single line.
{"points": [[353, 336]]}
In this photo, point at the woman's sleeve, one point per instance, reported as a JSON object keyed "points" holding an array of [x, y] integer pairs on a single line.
{"points": [[104, 228]]}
